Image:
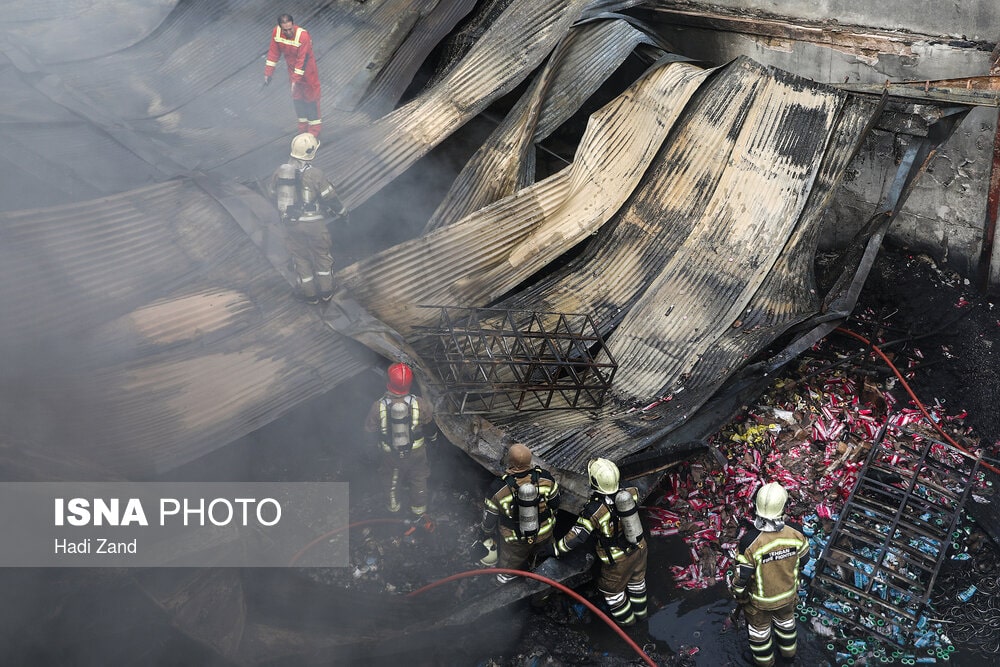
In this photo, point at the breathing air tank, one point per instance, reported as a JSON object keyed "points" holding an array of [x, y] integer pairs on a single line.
{"points": [[628, 511], [527, 509], [284, 190]]}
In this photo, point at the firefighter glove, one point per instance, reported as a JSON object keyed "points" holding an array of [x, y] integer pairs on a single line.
{"points": [[267, 79]]}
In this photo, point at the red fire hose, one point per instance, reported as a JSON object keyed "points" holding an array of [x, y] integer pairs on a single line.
{"points": [[909, 391], [555, 584]]}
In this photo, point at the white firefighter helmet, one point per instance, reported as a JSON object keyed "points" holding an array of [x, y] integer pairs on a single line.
{"points": [[603, 475], [770, 502], [304, 147]]}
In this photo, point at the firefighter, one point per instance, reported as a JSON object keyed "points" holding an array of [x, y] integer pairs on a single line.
{"points": [[766, 580], [305, 198], [294, 43], [403, 422], [521, 509], [612, 516]]}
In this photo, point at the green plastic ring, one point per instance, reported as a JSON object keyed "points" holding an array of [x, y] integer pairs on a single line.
{"points": [[950, 648], [830, 647]]}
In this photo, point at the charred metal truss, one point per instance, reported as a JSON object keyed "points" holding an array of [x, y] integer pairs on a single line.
{"points": [[879, 566], [494, 359]]}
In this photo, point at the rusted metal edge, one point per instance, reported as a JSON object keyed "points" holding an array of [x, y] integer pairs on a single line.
{"points": [[982, 91], [856, 38]]}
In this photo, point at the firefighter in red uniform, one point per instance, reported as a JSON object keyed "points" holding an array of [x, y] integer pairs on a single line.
{"points": [[294, 43], [766, 580], [403, 423]]}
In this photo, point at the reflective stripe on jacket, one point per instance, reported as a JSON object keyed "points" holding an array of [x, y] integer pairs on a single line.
{"points": [[298, 54], [502, 506], [385, 427], [600, 518], [776, 557]]}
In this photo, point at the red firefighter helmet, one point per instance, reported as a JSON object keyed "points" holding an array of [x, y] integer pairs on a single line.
{"points": [[400, 379]]}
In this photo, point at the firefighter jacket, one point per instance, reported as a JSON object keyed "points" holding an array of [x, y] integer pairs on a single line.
{"points": [[298, 54], [502, 506], [313, 195], [403, 432], [599, 517], [776, 557]]}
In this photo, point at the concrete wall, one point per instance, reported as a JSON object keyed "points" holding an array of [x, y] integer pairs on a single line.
{"points": [[959, 19], [946, 212]]}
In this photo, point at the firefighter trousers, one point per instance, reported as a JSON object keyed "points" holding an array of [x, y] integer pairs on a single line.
{"points": [[309, 244], [760, 623]]}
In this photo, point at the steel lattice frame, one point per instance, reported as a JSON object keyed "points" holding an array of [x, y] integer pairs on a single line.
{"points": [[490, 360], [877, 570]]}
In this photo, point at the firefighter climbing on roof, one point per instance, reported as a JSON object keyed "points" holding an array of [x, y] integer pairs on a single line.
{"points": [[612, 516], [294, 43], [770, 558], [305, 199], [521, 512], [404, 422]]}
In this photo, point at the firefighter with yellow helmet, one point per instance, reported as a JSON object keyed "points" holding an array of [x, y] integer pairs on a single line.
{"points": [[403, 422], [766, 580], [305, 198], [612, 516], [521, 511]]}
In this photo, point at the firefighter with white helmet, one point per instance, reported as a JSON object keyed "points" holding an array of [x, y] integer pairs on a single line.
{"points": [[770, 558], [305, 198], [612, 516], [403, 422], [521, 511]]}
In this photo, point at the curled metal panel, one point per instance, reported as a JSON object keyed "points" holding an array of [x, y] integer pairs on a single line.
{"points": [[492, 250], [361, 163], [673, 220], [503, 164]]}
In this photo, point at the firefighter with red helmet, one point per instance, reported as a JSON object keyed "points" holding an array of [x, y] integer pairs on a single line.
{"points": [[521, 508], [612, 517], [294, 44], [403, 422], [766, 579]]}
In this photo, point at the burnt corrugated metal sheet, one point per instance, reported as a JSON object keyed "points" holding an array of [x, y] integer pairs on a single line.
{"points": [[146, 329], [491, 251], [505, 163], [707, 263], [161, 316]]}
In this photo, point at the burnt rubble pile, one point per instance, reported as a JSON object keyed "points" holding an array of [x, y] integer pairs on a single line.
{"points": [[812, 432]]}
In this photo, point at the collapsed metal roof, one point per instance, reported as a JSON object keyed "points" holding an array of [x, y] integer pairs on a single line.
{"points": [[158, 312]]}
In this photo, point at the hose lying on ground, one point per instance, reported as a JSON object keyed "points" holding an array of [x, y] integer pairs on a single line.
{"points": [[555, 584]]}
